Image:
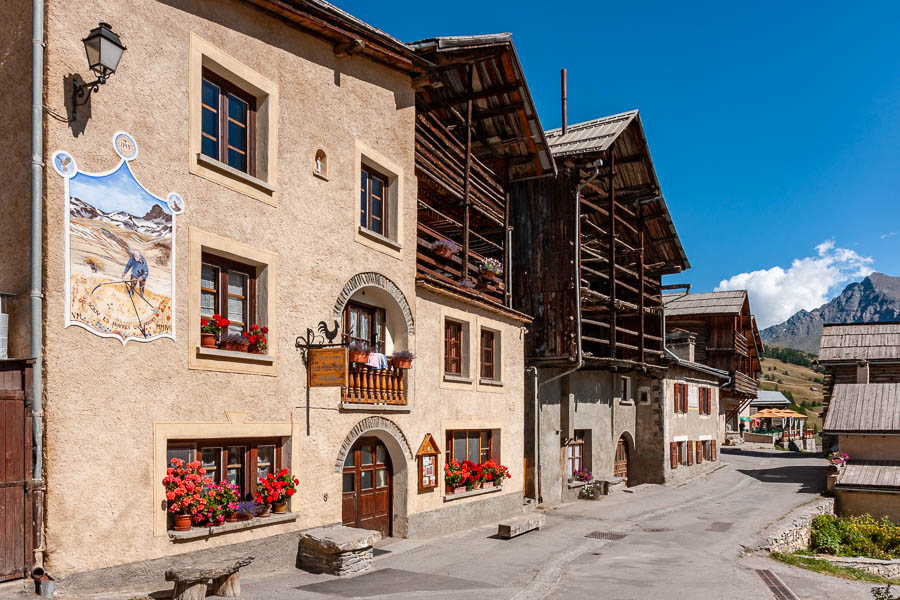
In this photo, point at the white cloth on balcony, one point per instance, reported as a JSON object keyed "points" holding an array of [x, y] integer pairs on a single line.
{"points": [[377, 361]]}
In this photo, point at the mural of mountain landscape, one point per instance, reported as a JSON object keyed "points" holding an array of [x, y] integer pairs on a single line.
{"points": [[875, 298]]}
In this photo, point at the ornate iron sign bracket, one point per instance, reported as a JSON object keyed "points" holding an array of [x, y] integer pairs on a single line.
{"points": [[323, 339]]}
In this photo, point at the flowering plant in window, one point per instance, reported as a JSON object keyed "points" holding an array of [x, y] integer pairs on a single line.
{"points": [[491, 266], [453, 476], [582, 475], [185, 497], [217, 501], [491, 471], [256, 337], [473, 474], [214, 325], [276, 489], [445, 248], [467, 284]]}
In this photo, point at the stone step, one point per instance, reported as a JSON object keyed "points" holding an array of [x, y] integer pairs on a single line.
{"points": [[519, 525]]}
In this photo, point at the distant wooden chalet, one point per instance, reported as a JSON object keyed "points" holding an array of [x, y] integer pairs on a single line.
{"points": [[593, 244], [727, 339], [477, 131], [863, 414]]}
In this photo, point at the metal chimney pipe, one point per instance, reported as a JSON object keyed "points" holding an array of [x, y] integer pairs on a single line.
{"points": [[565, 124]]}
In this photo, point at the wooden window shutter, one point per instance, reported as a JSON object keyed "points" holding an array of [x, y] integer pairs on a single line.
{"points": [[690, 453], [673, 454], [677, 398], [698, 447], [713, 450]]}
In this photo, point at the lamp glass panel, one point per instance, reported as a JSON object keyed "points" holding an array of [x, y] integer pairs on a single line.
{"points": [[110, 54], [92, 48]]}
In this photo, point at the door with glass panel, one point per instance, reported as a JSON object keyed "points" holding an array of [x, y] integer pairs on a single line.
{"points": [[367, 487]]}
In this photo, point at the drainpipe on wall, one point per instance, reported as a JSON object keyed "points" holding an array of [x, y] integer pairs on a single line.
{"points": [[579, 354], [36, 303]]}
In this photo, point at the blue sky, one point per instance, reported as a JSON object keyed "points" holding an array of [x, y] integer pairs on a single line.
{"points": [[117, 191], [774, 127]]}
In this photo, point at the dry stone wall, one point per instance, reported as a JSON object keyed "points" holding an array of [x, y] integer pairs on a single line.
{"points": [[793, 531]]}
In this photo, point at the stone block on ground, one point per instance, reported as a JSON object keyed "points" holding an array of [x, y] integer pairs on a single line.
{"points": [[337, 550], [190, 581], [519, 525]]}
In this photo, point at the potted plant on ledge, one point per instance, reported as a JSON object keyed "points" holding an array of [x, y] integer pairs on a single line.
{"points": [[359, 352], [490, 269], [210, 329], [184, 492], [235, 342], [454, 480], [493, 474], [445, 248], [402, 359], [276, 489], [256, 339]]}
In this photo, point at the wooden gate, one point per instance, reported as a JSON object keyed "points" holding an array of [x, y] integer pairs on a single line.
{"points": [[620, 467], [15, 472]]}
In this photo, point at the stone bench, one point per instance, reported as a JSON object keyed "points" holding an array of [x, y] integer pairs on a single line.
{"points": [[190, 582], [519, 525], [337, 550]]}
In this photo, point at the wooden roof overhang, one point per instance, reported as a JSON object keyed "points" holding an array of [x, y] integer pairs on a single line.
{"points": [[619, 141], [507, 133], [350, 35]]}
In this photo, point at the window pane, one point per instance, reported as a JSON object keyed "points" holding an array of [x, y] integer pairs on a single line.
{"points": [[366, 455], [459, 445], [209, 148], [185, 454], [380, 454], [473, 453], [349, 482], [237, 110], [209, 277], [265, 460], [237, 137], [207, 304], [381, 478], [354, 323], [365, 480], [237, 283], [236, 309], [210, 458], [210, 124], [363, 200], [348, 462], [210, 94], [237, 160]]}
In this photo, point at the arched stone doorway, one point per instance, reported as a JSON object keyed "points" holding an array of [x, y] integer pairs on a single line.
{"points": [[621, 462], [373, 462]]}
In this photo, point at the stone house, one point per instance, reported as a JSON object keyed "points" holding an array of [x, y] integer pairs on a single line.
{"points": [[593, 244], [280, 164], [862, 416], [726, 339]]}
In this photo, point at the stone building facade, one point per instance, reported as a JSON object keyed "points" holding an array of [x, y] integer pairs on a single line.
{"points": [[280, 244]]}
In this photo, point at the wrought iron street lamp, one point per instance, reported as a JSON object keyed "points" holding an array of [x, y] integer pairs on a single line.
{"points": [[104, 51]]}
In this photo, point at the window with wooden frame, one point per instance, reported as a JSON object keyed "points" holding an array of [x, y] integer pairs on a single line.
{"points": [[624, 387], [682, 453], [681, 397], [453, 348], [575, 453], [238, 461], [228, 123], [488, 355], [673, 455], [473, 445], [228, 288], [373, 203], [364, 325], [705, 394]]}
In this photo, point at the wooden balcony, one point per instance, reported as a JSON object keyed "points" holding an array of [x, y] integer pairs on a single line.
{"points": [[450, 269], [742, 384], [368, 385], [740, 344]]}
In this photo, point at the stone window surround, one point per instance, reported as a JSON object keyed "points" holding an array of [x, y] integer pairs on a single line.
{"points": [[234, 427], [263, 187], [203, 241], [472, 322], [391, 245]]}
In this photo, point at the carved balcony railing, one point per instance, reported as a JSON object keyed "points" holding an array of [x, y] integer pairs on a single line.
{"points": [[368, 385]]}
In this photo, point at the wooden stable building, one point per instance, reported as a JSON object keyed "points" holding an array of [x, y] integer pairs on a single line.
{"points": [[593, 243], [726, 339]]}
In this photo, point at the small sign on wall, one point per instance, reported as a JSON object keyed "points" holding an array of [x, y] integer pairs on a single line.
{"points": [[327, 367], [427, 459]]}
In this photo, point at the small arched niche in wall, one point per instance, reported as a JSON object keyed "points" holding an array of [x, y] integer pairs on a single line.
{"points": [[320, 164]]}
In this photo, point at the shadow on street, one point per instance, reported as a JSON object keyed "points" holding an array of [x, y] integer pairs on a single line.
{"points": [[811, 478]]}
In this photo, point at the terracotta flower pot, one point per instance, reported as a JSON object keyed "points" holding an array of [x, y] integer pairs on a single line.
{"points": [[208, 340], [280, 508], [401, 363], [254, 350], [487, 484], [182, 522], [477, 485], [456, 490], [232, 518], [359, 356], [488, 275], [443, 252], [233, 346]]}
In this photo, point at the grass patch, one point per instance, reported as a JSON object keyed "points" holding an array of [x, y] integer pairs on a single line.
{"points": [[823, 566]]}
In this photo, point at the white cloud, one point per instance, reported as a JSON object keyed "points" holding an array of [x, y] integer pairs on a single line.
{"points": [[777, 293], [887, 235]]}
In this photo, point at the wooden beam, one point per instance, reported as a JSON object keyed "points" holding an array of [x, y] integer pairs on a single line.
{"points": [[612, 255], [467, 183]]}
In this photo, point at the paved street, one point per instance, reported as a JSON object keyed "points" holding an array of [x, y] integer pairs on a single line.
{"points": [[679, 542]]}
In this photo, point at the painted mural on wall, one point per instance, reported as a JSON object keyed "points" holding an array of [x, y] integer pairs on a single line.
{"points": [[120, 250]]}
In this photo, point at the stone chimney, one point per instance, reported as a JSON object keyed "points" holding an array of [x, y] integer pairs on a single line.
{"points": [[682, 343], [862, 371]]}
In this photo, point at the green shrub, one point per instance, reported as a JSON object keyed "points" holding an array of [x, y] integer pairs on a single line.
{"points": [[855, 536]]}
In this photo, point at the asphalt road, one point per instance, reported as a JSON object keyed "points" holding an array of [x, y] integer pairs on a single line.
{"points": [[684, 541]]}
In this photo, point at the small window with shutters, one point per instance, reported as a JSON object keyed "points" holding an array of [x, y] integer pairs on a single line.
{"points": [[673, 455], [681, 393]]}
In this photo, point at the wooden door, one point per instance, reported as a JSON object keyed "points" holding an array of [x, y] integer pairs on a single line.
{"points": [[15, 466], [367, 487], [620, 466]]}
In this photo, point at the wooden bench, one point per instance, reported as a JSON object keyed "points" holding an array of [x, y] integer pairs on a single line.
{"points": [[519, 525], [190, 582]]}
